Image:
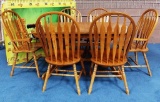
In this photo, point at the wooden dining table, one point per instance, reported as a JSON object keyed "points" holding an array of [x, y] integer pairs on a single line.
{"points": [[84, 26]]}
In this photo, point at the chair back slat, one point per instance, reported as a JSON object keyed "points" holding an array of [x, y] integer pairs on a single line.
{"points": [[102, 37], [61, 40], [96, 41], [20, 35], [53, 39], [73, 40], [110, 41], [115, 39], [47, 34], [121, 40], [66, 37], [128, 38], [109, 34]]}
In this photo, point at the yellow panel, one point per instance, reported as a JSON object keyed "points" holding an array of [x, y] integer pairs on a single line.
{"points": [[23, 4]]}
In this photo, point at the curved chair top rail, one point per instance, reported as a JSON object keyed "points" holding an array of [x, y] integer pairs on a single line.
{"points": [[94, 13]]}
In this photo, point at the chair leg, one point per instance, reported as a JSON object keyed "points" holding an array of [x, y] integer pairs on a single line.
{"points": [[56, 69], [83, 68], [91, 69], [36, 64], [76, 79], [14, 63], [119, 72], [53, 68], [26, 57], [146, 61], [92, 78], [136, 57], [124, 79], [46, 77]]}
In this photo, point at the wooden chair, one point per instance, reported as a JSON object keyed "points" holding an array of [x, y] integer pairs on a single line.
{"points": [[76, 14], [110, 45], [92, 14], [61, 44], [145, 27], [16, 30]]}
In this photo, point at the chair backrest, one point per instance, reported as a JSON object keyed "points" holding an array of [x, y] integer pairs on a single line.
{"points": [[145, 27], [94, 13], [61, 40], [16, 30], [110, 41], [76, 14]]}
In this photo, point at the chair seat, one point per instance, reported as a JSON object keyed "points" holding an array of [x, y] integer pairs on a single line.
{"points": [[110, 62], [138, 48], [104, 62], [65, 61]]}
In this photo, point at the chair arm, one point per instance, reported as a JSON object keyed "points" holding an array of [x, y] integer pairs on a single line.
{"points": [[140, 39], [20, 40]]}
